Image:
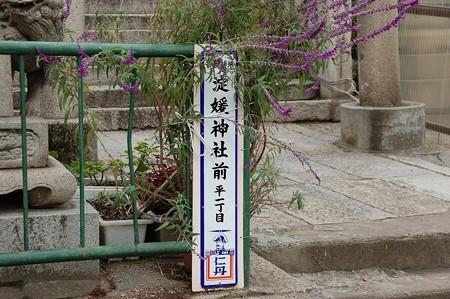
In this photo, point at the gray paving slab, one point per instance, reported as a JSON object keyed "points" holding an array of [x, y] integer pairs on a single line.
{"points": [[438, 154], [293, 172], [307, 144], [434, 184], [114, 143], [433, 162], [368, 165], [322, 205], [273, 216], [324, 131], [396, 199], [146, 273]]}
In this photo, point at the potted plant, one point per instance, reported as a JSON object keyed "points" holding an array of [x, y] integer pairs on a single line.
{"points": [[116, 217], [108, 191]]}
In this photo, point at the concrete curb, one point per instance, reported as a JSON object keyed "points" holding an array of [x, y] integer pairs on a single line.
{"points": [[419, 242]]}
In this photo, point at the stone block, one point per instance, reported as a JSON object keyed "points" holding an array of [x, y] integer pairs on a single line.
{"points": [[106, 97], [113, 119], [48, 187], [293, 92], [48, 229], [11, 142], [76, 21], [307, 110], [6, 97], [63, 139]]}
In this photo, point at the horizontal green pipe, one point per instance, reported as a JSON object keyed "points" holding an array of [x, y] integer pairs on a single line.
{"points": [[71, 49], [90, 253]]}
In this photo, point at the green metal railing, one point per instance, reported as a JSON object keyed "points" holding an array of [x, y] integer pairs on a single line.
{"points": [[82, 252]]}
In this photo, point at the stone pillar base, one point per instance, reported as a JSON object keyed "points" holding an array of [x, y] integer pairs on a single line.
{"points": [[383, 129]]}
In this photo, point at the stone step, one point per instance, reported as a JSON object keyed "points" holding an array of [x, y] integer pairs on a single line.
{"points": [[113, 119], [110, 105], [126, 37], [125, 21], [105, 97], [116, 118], [125, 6], [413, 243], [378, 284]]}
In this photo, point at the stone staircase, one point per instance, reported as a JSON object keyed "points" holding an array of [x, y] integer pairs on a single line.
{"points": [[111, 105], [127, 22]]}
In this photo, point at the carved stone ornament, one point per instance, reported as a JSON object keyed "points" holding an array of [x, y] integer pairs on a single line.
{"points": [[35, 20], [11, 145], [48, 187], [11, 142]]}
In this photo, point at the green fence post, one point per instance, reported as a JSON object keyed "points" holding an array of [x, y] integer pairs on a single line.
{"points": [[23, 117], [81, 154], [130, 160]]}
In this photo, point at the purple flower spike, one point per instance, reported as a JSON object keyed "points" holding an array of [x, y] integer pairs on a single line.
{"points": [[48, 58], [86, 62], [67, 13], [134, 88], [282, 111], [313, 88], [221, 17], [88, 36], [130, 60], [298, 156]]}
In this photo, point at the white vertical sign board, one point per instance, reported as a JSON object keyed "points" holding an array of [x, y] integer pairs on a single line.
{"points": [[218, 180]]}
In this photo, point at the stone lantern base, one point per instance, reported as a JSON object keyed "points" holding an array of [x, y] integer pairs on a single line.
{"points": [[381, 128]]}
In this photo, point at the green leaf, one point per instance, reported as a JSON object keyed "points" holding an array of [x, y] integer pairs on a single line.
{"points": [[163, 226], [297, 199]]}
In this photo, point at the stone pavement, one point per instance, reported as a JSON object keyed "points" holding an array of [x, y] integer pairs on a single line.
{"points": [[376, 226], [371, 211]]}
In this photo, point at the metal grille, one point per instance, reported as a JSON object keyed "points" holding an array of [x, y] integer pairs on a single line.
{"points": [[425, 64], [27, 256]]}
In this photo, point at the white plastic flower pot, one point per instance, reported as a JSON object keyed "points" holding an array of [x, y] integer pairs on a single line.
{"points": [[117, 232]]}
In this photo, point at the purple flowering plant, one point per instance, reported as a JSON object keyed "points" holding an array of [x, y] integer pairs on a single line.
{"points": [[63, 72], [276, 42]]}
